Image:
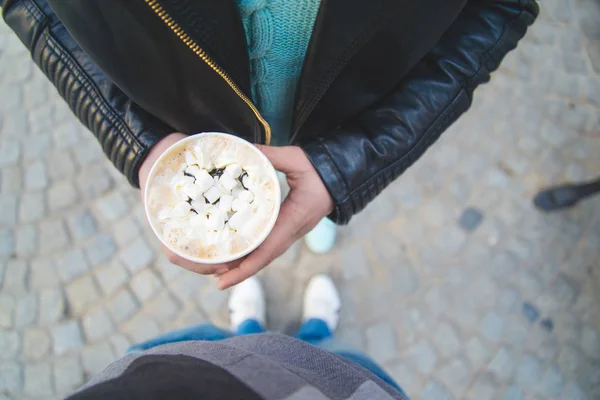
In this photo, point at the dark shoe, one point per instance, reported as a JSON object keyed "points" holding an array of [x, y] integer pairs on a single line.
{"points": [[557, 198]]}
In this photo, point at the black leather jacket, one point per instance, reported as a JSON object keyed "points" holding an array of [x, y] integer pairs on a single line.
{"points": [[382, 79]]}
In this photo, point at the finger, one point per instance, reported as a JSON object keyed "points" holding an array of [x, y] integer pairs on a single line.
{"points": [[282, 158], [287, 229]]}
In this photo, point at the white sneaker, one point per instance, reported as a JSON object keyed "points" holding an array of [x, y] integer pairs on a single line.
{"points": [[322, 301], [247, 301], [322, 237]]}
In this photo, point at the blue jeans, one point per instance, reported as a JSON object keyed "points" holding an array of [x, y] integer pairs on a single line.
{"points": [[314, 331]]}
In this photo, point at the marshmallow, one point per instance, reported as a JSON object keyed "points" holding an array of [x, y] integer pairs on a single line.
{"points": [[164, 214], [199, 205], [216, 220], [192, 191], [233, 170], [190, 159], [227, 182], [213, 194], [202, 159], [197, 221], [204, 181], [225, 202], [246, 181], [237, 220], [182, 209], [193, 170], [236, 191], [239, 205], [246, 196]]}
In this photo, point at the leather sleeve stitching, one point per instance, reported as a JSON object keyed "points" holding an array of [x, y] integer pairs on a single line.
{"points": [[124, 132]]}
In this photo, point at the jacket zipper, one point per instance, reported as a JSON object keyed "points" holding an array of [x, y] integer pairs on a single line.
{"points": [[192, 45]]}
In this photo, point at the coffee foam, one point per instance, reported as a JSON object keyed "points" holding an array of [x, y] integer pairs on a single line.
{"points": [[213, 151]]}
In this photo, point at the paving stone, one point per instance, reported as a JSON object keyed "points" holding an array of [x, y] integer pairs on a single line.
{"points": [[119, 343], [100, 249], [95, 181], [111, 277], [141, 328], [381, 342], [445, 338], [470, 219], [53, 236], [435, 391], [97, 357], [406, 376], [574, 392], [51, 305], [187, 285], [137, 255], [88, 152], [81, 225], [11, 377], [125, 230], [11, 181], [26, 239], [97, 324], [38, 380], [508, 300], [423, 356], [81, 293], [68, 374], [483, 388], [67, 337], [26, 310], [61, 195], [502, 365], [528, 372], [547, 324], [8, 210], [112, 206], [213, 300], [163, 307], [72, 265], [455, 375], [15, 276], [123, 306], [590, 340], [10, 344], [7, 243], [145, 284], [513, 393], [450, 240], [66, 135], [35, 147], [36, 176], [60, 165], [7, 305], [36, 343], [530, 312], [32, 207], [552, 383], [43, 274], [354, 263], [10, 151], [408, 194], [516, 330], [566, 290]]}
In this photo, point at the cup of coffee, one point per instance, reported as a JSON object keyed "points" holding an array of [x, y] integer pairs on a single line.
{"points": [[212, 198]]}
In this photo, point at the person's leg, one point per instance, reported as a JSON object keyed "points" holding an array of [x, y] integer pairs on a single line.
{"points": [[321, 315], [247, 307], [564, 196], [321, 238], [207, 332]]}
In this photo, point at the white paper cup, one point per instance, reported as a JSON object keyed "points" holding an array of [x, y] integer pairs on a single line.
{"points": [[201, 140]]}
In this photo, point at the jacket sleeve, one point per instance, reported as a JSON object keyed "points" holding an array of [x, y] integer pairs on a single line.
{"points": [[361, 157], [125, 131]]}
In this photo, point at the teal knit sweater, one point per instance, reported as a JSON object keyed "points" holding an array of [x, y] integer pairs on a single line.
{"points": [[278, 32]]}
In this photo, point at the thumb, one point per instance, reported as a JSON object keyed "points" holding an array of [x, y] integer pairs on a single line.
{"points": [[283, 158]]}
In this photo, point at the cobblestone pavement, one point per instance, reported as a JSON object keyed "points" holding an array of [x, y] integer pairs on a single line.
{"points": [[450, 278]]}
